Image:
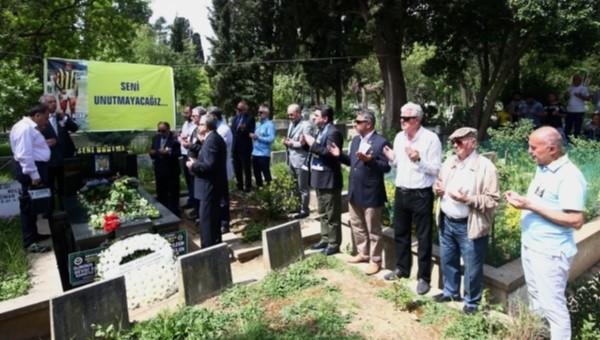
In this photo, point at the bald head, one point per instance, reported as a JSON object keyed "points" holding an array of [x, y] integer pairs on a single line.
{"points": [[545, 145]]}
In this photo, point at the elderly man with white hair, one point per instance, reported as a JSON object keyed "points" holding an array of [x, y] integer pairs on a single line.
{"points": [[417, 158]]}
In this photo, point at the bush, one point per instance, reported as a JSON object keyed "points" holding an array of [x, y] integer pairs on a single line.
{"points": [[277, 198], [584, 306]]}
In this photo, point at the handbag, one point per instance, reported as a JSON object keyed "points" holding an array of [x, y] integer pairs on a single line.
{"points": [[36, 200]]}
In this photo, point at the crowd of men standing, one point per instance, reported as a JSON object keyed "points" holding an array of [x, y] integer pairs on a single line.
{"points": [[466, 185]]}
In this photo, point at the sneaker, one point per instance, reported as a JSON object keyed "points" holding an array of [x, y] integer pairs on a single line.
{"points": [[36, 248], [358, 259]]}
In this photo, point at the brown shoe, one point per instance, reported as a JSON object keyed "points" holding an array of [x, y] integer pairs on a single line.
{"points": [[373, 268], [358, 259]]}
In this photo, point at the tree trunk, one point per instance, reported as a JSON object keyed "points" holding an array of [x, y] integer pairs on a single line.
{"points": [[394, 87]]}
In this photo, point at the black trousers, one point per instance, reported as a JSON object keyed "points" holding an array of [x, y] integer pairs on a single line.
{"points": [[29, 231], [56, 182], [242, 167], [262, 168], [413, 206], [167, 192], [209, 223]]}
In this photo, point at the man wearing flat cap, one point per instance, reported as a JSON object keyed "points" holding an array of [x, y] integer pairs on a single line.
{"points": [[468, 192]]}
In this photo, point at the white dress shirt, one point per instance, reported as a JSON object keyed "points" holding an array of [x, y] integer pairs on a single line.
{"points": [[421, 174], [460, 179], [28, 146], [187, 129], [225, 131]]}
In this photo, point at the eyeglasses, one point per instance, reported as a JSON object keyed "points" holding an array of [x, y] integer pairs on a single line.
{"points": [[262, 112], [358, 121], [161, 131], [195, 116], [407, 118], [201, 124]]}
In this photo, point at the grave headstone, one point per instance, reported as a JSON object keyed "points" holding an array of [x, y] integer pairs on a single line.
{"points": [[204, 273], [282, 245], [104, 303]]}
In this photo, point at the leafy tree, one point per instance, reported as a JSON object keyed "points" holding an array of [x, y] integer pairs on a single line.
{"points": [[480, 44], [181, 32]]}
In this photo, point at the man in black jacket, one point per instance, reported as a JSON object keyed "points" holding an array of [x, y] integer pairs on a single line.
{"points": [[326, 178], [210, 171], [57, 134], [165, 153], [242, 126], [366, 191]]}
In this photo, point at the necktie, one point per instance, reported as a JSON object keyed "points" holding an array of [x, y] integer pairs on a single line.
{"points": [[54, 124]]}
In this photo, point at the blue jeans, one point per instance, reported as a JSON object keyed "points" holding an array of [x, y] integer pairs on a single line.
{"points": [[454, 243]]}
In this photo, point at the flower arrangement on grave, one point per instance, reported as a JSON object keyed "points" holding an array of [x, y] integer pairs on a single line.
{"points": [[110, 204], [148, 263]]}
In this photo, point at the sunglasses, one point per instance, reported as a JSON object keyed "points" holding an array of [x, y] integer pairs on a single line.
{"points": [[407, 118], [358, 122], [458, 142], [161, 131], [262, 112]]}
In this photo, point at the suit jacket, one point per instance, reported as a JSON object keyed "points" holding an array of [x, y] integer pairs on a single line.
{"points": [[325, 170], [296, 155], [166, 165], [210, 168], [367, 187], [64, 147], [241, 127]]}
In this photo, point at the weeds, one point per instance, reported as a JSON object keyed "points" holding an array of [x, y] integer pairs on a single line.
{"points": [[14, 263], [584, 306]]}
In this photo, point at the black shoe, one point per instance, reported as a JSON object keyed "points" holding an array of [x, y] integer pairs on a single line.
{"points": [[443, 298], [188, 206], [36, 248], [423, 287], [330, 250], [469, 310], [224, 230], [300, 215], [192, 215], [395, 274], [319, 245], [42, 237]]}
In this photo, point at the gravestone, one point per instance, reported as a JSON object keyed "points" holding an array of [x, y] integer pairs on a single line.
{"points": [[282, 245], [204, 273], [104, 303]]}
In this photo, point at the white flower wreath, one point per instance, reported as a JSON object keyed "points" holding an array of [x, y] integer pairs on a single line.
{"points": [[149, 278]]}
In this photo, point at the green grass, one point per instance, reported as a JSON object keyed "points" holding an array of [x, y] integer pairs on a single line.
{"points": [[294, 303], [14, 263]]}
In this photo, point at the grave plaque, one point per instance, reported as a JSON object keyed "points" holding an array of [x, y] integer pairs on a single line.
{"points": [[282, 245], [9, 198], [104, 303]]}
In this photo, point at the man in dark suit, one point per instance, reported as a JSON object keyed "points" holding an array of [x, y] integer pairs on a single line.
{"points": [[366, 191], [326, 178], [165, 153], [242, 126], [57, 134], [210, 171]]}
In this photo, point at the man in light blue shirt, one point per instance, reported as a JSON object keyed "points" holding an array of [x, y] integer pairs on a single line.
{"points": [[553, 207], [262, 139]]}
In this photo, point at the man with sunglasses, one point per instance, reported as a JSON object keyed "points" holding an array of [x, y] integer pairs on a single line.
{"points": [[417, 157], [366, 190], [262, 139], [165, 153], [468, 192], [242, 126]]}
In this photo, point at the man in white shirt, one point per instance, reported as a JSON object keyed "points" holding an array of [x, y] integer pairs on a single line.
{"points": [[417, 158], [31, 153], [576, 95]]}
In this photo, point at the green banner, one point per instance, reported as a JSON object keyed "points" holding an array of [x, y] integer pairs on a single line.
{"points": [[102, 96]]}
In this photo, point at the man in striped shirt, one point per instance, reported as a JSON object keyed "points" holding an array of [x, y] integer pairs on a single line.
{"points": [[66, 82]]}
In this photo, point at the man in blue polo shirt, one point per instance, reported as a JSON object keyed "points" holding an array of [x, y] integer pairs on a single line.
{"points": [[552, 209]]}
